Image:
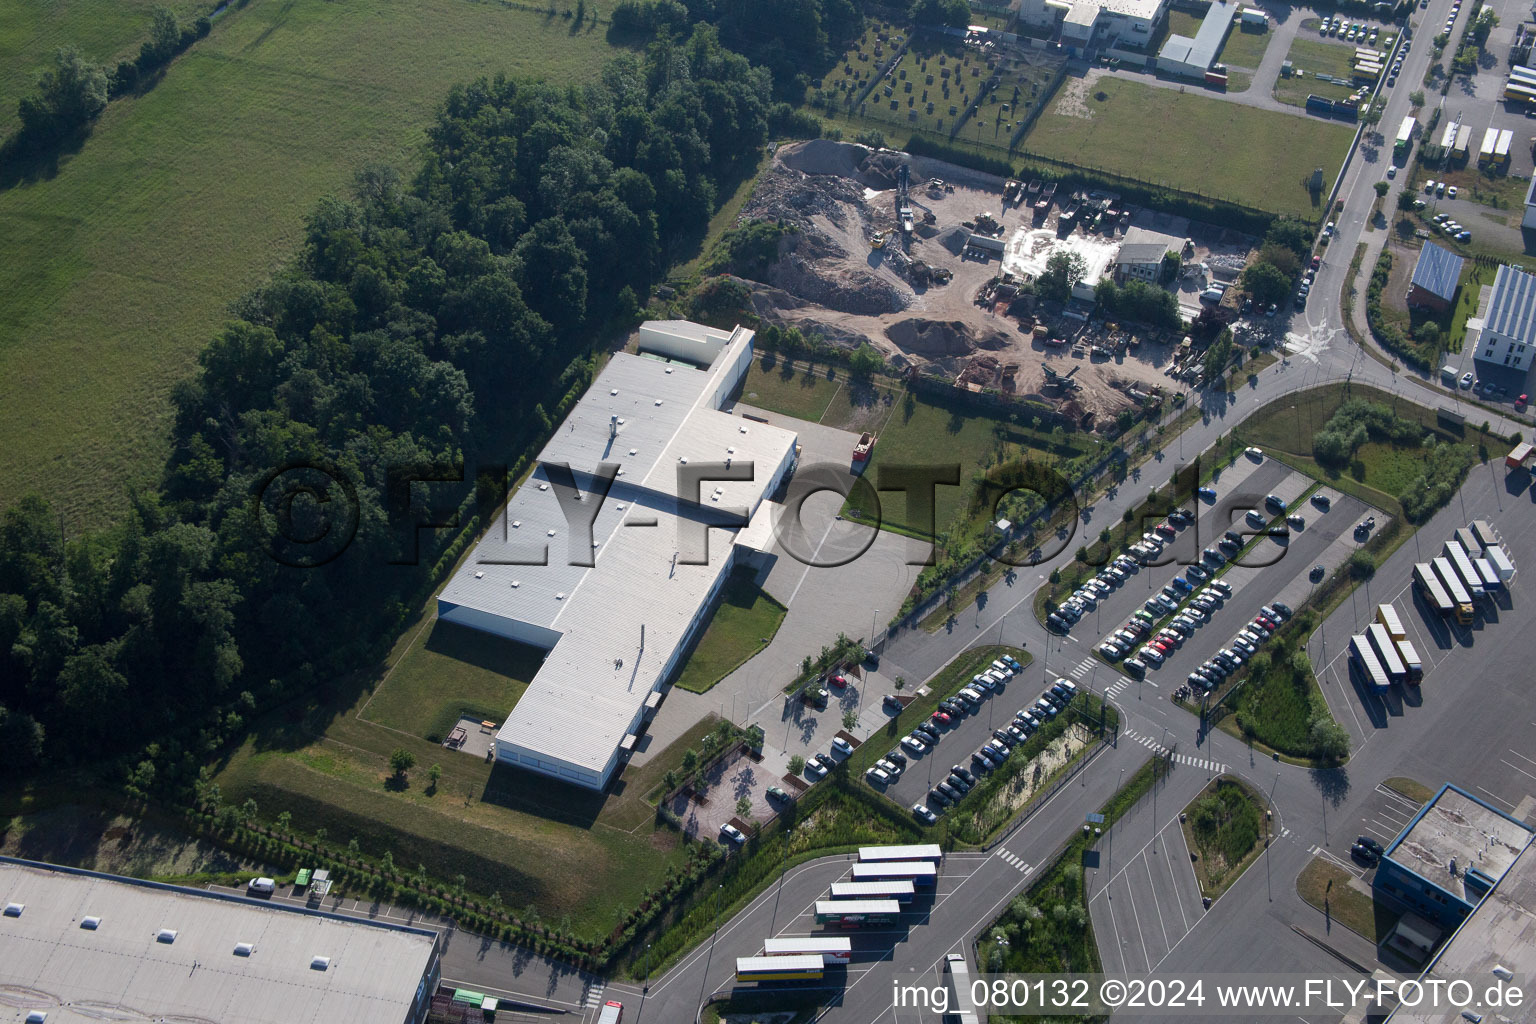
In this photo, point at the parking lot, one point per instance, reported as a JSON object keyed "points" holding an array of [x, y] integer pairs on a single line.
{"points": [[1279, 568], [959, 739], [1150, 902], [1439, 725]]}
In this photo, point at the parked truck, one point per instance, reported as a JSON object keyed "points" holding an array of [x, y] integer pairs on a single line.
{"points": [[1411, 661], [1454, 589], [1365, 660]]}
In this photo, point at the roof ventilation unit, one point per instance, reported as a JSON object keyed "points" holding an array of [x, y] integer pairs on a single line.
{"points": [[90, 924], [166, 935], [14, 909], [320, 963], [244, 948], [37, 1017]]}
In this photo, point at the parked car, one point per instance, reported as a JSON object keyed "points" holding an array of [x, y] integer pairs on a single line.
{"points": [[1364, 853], [733, 833], [924, 814], [775, 793], [927, 732], [1194, 572], [914, 744], [939, 797], [1223, 586], [1208, 493], [842, 746], [815, 769], [957, 784], [896, 757], [960, 771], [877, 776], [1134, 666]]}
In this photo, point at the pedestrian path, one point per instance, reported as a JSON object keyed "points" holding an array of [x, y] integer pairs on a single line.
{"points": [[1205, 764], [1082, 669], [1015, 861], [594, 996]]}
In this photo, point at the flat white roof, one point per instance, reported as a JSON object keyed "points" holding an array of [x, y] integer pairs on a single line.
{"points": [[122, 969], [589, 691]]}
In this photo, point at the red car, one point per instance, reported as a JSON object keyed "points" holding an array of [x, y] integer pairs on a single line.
{"points": [[839, 681], [1167, 530], [1521, 401], [1163, 646], [942, 717], [1317, 261]]}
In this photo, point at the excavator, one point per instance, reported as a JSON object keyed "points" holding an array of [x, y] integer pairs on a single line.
{"points": [[1061, 381]]}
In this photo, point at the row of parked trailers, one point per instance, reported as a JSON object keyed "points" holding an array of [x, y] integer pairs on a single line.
{"points": [[1496, 146], [1521, 85], [1472, 564], [885, 879], [1345, 109], [1384, 654]]}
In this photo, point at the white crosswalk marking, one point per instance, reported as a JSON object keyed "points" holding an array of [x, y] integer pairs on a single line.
{"points": [[1082, 668], [1202, 763], [594, 996], [1014, 861]]}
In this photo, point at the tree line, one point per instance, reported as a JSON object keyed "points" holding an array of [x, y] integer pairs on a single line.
{"points": [[73, 91], [427, 327]]}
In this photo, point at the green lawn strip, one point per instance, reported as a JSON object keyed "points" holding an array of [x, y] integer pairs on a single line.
{"points": [[1326, 886], [949, 681], [1245, 46], [1039, 938], [777, 385], [448, 671], [786, 1007], [129, 258], [1410, 788], [586, 873], [1162, 135], [743, 624], [1225, 826]]}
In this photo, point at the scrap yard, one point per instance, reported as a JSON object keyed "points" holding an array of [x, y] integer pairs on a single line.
{"points": [[932, 264]]}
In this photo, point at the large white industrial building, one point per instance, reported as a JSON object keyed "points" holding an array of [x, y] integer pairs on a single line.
{"points": [[1088, 25], [616, 626], [78, 947]]}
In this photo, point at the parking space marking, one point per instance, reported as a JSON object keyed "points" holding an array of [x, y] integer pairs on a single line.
{"points": [[1156, 905], [1131, 894]]}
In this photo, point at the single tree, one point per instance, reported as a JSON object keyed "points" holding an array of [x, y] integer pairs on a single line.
{"points": [[850, 719], [744, 806], [401, 761], [796, 765]]}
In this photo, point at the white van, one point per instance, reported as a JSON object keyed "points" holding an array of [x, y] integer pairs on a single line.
{"points": [[261, 887]]}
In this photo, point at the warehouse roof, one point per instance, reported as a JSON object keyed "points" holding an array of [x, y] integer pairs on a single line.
{"points": [[585, 696], [1455, 838], [1512, 309], [1200, 52], [1499, 933], [656, 415], [1437, 271], [1137, 253], [165, 952]]}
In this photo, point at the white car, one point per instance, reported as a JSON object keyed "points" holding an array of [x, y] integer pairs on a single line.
{"points": [[1450, 193], [878, 776], [842, 746], [733, 833], [1392, 172], [914, 744], [924, 814]]}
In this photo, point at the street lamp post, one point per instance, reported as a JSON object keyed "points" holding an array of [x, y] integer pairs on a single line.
{"points": [[647, 987]]}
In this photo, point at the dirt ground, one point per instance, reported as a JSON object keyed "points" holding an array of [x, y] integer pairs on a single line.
{"points": [[98, 840], [829, 278], [1054, 756]]}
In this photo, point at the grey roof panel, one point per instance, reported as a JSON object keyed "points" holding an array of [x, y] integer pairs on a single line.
{"points": [[1512, 309], [1437, 271], [121, 969]]}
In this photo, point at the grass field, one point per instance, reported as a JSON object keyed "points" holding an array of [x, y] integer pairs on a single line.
{"points": [[1325, 885], [121, 266], [1256, 158], [1244, 47], [448, 671], [1315, 57], [788, 388], [104, 31], [743, 624], [531, 840], [1225, 827], [912, 432]]}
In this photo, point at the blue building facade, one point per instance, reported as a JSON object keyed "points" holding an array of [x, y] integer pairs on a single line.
{"points": [[1447, 858]]}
